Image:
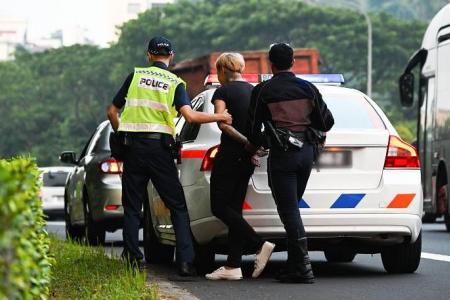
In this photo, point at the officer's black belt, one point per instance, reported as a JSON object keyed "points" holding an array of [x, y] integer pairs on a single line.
{"points": [[146, 135], [301, 135]]}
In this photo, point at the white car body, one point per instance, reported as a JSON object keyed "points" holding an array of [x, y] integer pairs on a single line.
{"points": [[364, 204]]}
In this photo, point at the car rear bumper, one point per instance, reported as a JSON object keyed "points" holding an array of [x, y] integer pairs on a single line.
{"points": [[107, 203], [364, 226]]}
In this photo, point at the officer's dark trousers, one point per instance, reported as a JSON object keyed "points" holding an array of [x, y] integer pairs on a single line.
{"points": [[288, 175], [229, 182], [146, 160]]}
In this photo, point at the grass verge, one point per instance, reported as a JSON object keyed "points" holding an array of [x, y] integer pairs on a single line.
{"points": [[81, 272]]}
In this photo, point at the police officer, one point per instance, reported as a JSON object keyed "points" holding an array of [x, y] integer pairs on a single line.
{"points": [[289, 107], [151, 98]]}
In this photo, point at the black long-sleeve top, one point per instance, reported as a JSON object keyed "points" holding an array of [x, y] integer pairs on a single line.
{"points": [[288, 102]]}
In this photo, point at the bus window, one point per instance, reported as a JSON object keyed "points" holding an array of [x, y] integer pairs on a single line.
{"points": [[443, 90]]}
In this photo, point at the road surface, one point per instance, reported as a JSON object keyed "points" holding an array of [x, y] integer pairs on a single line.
{"points": [[365, 278]]}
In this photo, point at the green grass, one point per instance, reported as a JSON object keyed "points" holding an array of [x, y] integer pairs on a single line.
{"points": [[82, 272]]}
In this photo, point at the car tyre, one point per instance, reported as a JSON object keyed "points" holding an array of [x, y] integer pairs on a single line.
{"points": [[154, 251], [204, 258], [403, 258], [94, 231], [73, 232], [339, 255]]}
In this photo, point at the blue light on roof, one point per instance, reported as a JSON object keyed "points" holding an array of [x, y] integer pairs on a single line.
{"points": [[322, 78], [315, 78]]}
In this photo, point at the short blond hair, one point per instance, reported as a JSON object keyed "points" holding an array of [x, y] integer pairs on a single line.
{"points": [[230, 62]]}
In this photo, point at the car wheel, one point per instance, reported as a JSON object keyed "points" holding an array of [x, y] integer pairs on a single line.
{"points": [[204, 258], [94, 231], [73, 232], [154, 251], [339, 255], [429, 218], [403, 258]]}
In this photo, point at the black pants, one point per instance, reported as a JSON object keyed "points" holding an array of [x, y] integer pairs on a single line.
{"points": [[288, 175], [145, 160], [229, 182]]}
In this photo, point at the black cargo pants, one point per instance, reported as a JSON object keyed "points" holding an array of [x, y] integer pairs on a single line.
{"points": [[288, 173], [147, 159]]}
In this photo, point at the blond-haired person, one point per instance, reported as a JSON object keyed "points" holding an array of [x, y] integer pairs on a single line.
{"points": [[233, 168]]}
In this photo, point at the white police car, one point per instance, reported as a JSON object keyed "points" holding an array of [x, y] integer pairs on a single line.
{"points": [[366, 196]]}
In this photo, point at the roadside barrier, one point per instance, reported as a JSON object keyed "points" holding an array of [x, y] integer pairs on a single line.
{"points": [[25, 267]]}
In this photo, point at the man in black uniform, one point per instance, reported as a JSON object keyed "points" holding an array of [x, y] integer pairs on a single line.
{"points": [[289, 107], [151, 97]]}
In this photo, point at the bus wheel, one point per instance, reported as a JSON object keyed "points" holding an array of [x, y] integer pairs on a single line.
{"points": [[442, 202], [442, 205]]}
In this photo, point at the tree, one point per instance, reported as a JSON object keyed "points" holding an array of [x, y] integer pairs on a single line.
{"points": [[53, 101]]}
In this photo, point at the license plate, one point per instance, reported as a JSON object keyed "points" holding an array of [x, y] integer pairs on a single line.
{"points": [[335, 159]]}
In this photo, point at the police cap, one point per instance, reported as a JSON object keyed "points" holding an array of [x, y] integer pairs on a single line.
{"points": [[160, 46]]}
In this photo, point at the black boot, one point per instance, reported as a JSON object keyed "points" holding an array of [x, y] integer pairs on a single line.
{"points": [[298, 268]]}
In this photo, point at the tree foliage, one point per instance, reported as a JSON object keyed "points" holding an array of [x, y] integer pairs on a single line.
{"points": [[403, 9], [52, 101]]}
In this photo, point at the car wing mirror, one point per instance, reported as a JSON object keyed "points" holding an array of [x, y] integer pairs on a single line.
{"points": [[68, 157], [406, 85]]}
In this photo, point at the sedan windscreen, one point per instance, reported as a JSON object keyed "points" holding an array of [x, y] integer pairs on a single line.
{"points": [[353, 113], [55, 178]]}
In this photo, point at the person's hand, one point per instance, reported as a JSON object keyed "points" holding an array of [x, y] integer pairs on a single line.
{"points": [[256, 160], [249, 147], [227, 118], [261, 152]]}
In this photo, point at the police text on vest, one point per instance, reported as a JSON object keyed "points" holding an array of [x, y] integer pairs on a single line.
{"points": [[153, 84]]}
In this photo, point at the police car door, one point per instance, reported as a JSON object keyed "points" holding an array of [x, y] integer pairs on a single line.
{"points": [[187, 132]]}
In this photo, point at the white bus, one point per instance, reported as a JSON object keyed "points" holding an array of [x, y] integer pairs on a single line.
{"points": [[432, 62]]}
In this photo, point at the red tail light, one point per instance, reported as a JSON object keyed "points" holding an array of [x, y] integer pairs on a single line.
{"points": [[111, 166], [112, 207], [208, 159], [401, 155]]}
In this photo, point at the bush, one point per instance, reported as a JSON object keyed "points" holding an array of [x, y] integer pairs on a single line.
{"points": [[24, 243]]}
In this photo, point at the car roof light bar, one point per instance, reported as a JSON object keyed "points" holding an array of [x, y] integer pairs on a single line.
{"points": [[335, 79], [331, 79]]}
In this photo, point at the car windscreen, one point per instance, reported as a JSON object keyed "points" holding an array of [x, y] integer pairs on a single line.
{"points": [[353, 112], [54, 178]]}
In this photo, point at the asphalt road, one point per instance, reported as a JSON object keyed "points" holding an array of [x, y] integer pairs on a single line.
{"points": [[364, 278]]}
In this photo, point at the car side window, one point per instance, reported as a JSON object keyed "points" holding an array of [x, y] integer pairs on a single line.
{"points": [[84, 151], [90, 144], [102, 143], [94, 140], [189, 131]]}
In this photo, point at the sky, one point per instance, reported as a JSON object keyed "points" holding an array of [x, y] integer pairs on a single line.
{"points": [[47, 16]]}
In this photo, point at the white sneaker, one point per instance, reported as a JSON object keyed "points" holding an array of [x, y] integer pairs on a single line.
{"points": [[262, 258], [226, 274]]}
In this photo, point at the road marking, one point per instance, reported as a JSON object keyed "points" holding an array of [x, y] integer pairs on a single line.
{"points": [[433, 256]]}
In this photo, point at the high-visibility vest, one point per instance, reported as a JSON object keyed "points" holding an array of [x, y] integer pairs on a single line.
{"points": [[149, 102]]}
